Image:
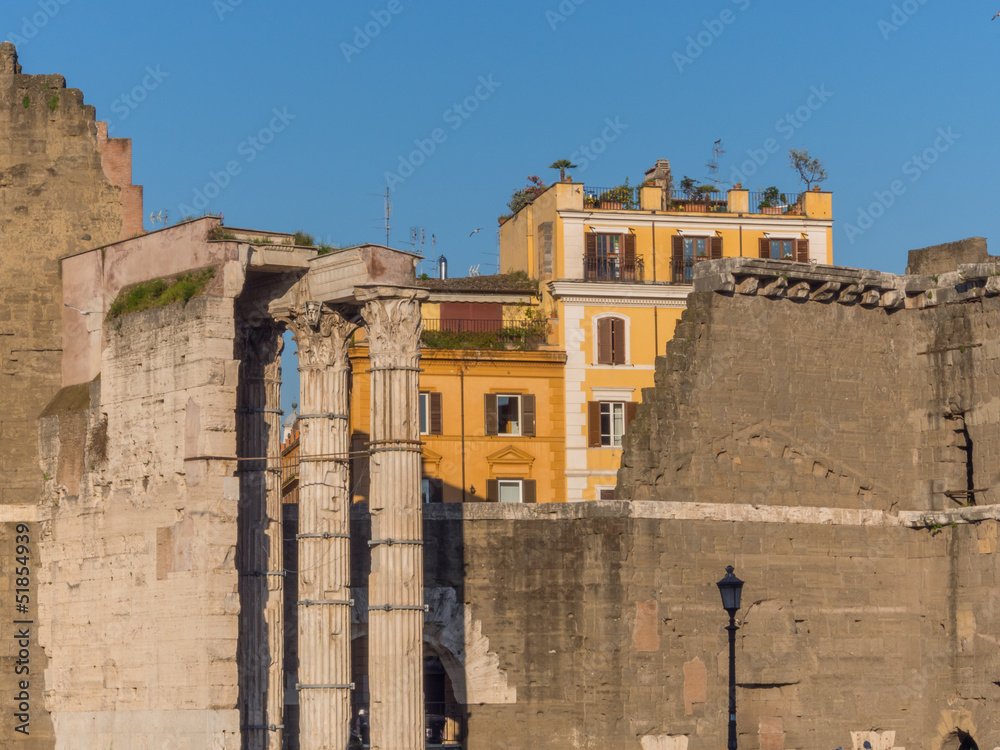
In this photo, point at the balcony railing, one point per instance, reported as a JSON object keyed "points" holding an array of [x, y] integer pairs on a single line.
{"points": [[715, 202], [614, 198], [613, 268], [786, 203], [682, 271], [467, 333]]}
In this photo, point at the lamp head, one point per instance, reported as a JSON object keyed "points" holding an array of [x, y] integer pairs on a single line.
{"points": [[730, 587]]}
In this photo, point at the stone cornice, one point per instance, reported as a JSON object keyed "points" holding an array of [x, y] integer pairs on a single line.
{"points": [[696, 220], [809, 281], [620, 295]]}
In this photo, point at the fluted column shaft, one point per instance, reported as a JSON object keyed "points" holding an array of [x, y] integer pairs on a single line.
{"points": [[396, 616], [259, 554], [324, 633]]}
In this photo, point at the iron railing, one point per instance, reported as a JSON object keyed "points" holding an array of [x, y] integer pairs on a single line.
{"points": [[786, 203], [452, 333], [682, 271], [620, 198], [613, 268], [714, 202]]}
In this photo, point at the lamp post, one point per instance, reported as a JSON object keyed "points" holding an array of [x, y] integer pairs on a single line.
{"points": [[731, 587]]}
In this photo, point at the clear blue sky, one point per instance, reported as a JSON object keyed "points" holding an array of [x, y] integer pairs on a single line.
{"points": [[893, 77]]}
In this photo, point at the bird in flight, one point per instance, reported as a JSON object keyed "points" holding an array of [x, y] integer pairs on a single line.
{"points": [[474, 231], [83, 312], [995, 17]]}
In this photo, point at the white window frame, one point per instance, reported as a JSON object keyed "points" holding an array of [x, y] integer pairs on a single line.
{"points": [[611, 416], [520, 414], [425, 413], [518, 483], [627, 334]]}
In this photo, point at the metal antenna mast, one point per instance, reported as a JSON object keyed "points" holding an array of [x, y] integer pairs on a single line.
{"points": [[388, 213], [713, 165]]}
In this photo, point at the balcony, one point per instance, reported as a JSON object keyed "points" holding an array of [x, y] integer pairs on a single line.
{"points": [[613, 268], [619, 198], [494, 335]]}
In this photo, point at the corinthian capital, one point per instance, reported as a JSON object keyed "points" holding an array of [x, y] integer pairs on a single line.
{"points": [[394, 323], [323, 344]]}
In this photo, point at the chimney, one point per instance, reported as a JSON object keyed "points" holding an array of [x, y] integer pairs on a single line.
{"points": [[442, 267], [661, 176]]}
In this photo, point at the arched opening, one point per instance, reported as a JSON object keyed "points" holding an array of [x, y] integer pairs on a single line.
{"points": [[959, 740]]}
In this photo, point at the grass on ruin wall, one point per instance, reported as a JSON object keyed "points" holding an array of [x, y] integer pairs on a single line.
{"points": [[160, 292]]}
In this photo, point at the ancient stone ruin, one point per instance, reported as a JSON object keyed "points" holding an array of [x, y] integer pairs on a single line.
{"points": [[839, 452]]}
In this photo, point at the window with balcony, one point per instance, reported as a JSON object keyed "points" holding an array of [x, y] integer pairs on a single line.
{"points": [[510, 414], [612, 257], [690, 250], [785, 249]]}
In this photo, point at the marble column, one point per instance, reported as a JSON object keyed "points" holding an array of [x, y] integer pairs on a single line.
{"points": [[396, 584], [324, 642], [259, 553]]}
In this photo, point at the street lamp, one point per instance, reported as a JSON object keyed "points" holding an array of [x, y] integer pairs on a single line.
{"points": [[731, 587]]}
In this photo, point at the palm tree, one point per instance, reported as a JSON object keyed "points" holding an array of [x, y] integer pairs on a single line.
{"points": [[562, 165]]}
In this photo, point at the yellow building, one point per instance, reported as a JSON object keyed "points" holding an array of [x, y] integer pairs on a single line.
{"points": [[491, 396], [616, 266]]}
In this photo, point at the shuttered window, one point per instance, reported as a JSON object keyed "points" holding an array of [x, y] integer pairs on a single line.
{"points": [[785, 249], [510, 414], [430, 414], [607, 422], [686, 251], [611, 341], [511, 491]]}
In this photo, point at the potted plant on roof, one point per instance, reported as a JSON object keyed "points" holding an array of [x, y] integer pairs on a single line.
{"points": [[618, 198], [772, 200]]}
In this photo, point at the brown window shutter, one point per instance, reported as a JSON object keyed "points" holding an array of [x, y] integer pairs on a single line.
{"points": [[528, 491], [629, 413], [678, 258], [802, 251], [492, 491], [435, 404], [765, 248], [591, 244], [491, 414], [716, 248], [617, 341], [604, 342], [629, 249], [594, 424], [528, 415]]}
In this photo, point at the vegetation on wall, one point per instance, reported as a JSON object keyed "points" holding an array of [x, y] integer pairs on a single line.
{"points": [[160, 292]]}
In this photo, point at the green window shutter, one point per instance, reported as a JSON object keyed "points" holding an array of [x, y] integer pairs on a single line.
{"points": [[491, 414], [605, 355], [716, 251], [528, 415], [617, 341], [528, 491], [435, 405], [802, 251], [492, 491]]}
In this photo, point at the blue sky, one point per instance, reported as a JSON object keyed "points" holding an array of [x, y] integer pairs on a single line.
{"points": [[907, 100]]}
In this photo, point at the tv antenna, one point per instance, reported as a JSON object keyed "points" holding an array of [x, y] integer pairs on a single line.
{"points": [[388, 213], [713, 166], [160, 217]]}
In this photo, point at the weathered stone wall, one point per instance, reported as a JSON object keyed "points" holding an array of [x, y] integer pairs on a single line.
{"points": [[139, 608], [55, 199]]}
